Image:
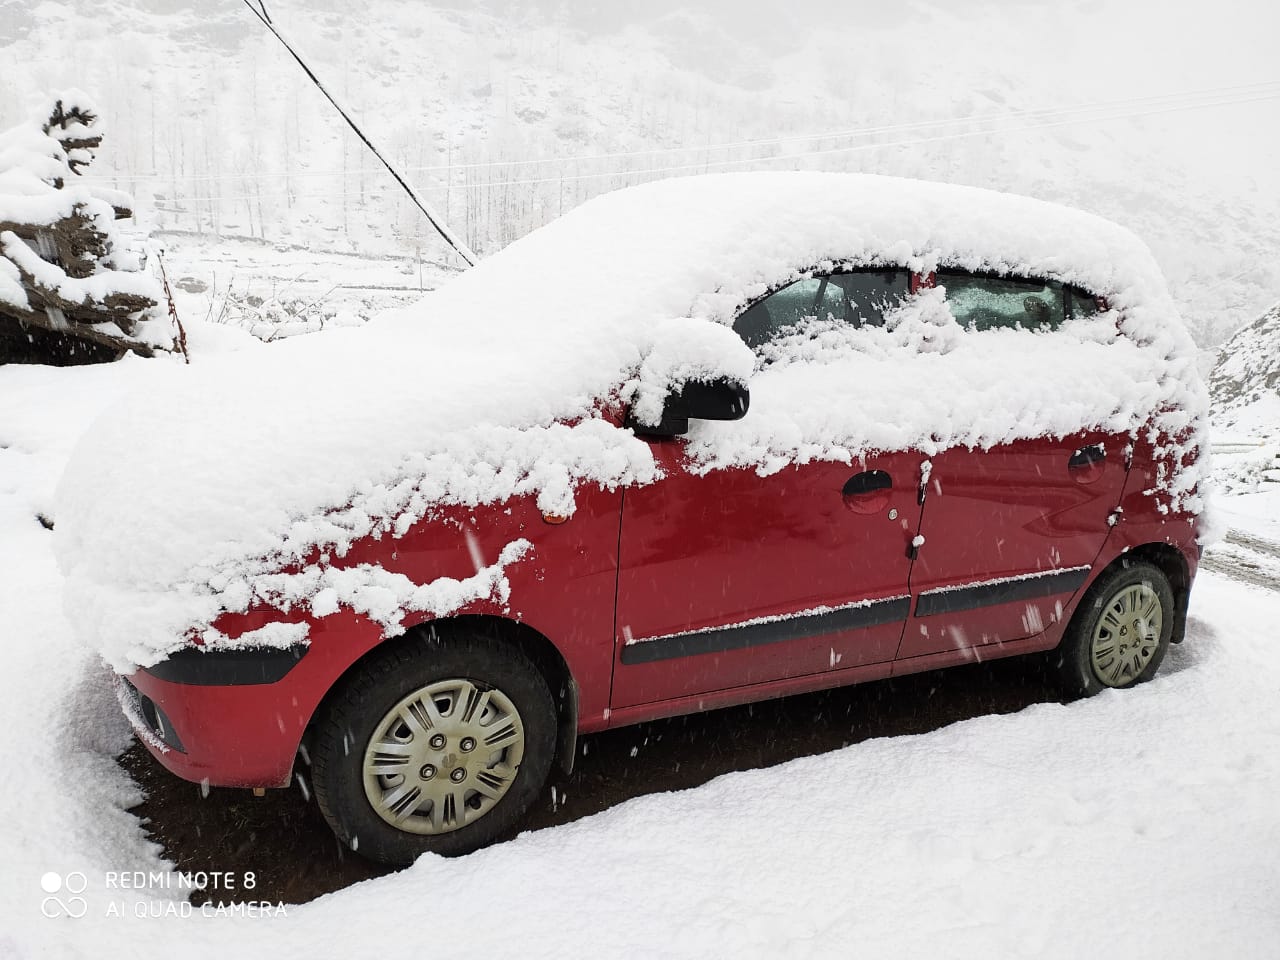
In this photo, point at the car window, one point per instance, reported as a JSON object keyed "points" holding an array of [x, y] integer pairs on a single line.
{"points": [[1080, 304], [858, 297], [988, 303]]}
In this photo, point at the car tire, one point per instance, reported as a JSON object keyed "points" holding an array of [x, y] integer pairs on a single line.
{"points": [[436, 744], [1120, 632]]}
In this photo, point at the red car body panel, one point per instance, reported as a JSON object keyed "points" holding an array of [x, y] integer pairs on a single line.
{"points": [[248, 735], [564, 588], [1015, 511], [700, 552]]}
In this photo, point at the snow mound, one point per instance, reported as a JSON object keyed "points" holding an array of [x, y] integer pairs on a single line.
{"points": [[492, 387]]}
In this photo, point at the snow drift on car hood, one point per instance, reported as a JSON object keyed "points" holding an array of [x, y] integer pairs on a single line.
{"points": [[489, 388]]}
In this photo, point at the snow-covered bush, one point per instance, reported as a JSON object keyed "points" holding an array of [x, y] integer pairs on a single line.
{"points": [[286, 315]]}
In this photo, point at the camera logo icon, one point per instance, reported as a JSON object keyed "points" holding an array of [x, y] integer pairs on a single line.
{"points": [[71, 905]]}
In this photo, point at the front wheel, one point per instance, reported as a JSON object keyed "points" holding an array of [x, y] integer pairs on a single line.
{"points": [[433, 746], [1120, 633]]}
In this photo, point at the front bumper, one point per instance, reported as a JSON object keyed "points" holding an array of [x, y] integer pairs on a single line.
{"points": [[231, 718], [235, 717]]}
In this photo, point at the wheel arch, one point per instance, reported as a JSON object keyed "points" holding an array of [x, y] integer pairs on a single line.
{"points": [[519, 636]]}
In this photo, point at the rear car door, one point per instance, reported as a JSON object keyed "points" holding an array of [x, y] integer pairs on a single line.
{"points": [[1009, 533], [730, 578]]}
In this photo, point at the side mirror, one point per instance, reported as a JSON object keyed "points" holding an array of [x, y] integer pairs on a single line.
{"points": [[699, 400]]}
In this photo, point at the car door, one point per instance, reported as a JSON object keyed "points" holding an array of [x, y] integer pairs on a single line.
{"points": [[731, 578], [1009, 533]]}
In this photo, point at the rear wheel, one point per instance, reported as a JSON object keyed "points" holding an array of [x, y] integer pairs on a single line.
{"points": [[433, 746], [1120, 633]]}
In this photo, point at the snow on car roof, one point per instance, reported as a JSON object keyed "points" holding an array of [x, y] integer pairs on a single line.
{"points": [[701, 245], [487, 389]]}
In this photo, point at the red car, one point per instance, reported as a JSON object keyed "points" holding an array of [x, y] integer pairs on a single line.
{"points": [[720, 582]]}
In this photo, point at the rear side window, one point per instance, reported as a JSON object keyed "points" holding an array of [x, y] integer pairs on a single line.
{"points": [[989, 303], [857, 297], [1081, 305]]}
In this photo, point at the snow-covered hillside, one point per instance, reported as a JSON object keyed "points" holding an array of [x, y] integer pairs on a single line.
{"points": [[213, 127], [1246, 380], [1245, 385]]}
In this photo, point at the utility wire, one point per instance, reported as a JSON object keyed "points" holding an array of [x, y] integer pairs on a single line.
{"points": [[463, 251]]}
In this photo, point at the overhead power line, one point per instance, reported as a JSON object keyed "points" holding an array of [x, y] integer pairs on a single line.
{"points": [[460, 247]]}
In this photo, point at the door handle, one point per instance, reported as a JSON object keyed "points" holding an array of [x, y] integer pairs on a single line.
{"points": [[1087, 456], [1086, 463], [867, 492]]}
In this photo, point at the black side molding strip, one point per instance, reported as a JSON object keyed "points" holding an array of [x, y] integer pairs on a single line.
{"points": [[873, 614], [933, 602], [228, 668]]}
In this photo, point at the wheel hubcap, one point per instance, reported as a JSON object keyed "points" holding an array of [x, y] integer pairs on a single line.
{"points": [[443, 756], [1127, 635]]}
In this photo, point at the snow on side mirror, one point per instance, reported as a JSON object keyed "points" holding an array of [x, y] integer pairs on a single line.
{"points": [[699, 400], [695, 370]]}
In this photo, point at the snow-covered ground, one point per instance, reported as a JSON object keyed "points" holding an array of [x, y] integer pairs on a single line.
{"points": [[1135, 824], [274, 290], [1257, 512]]}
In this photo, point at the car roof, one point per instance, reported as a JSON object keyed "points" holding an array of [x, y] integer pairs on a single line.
{"points": [[704, 246]]}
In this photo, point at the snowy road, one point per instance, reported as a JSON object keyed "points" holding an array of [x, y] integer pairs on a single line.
{"points": [[1246, 557]]}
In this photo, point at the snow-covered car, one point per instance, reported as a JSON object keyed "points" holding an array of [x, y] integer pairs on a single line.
{"points": [[696, 443]]}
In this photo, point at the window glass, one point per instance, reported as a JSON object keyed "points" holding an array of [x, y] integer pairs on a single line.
{"points": [[859, 297], [1080, 304], [987, 303]]}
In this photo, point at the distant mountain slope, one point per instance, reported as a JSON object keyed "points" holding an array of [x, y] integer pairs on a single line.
{"points": [[1245, 383], [483, 103]]}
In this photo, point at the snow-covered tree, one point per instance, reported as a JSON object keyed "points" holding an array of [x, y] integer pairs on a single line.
{"points": [[73, 289]]}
